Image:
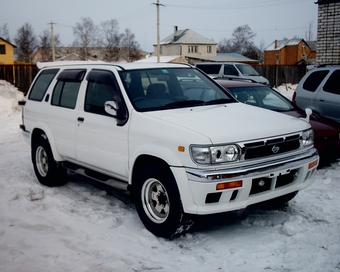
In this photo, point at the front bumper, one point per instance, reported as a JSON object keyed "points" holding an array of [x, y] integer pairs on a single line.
{"points": [[258, 183]]}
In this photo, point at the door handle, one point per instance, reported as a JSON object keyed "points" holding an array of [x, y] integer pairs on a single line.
{"points": [[80, 119]]}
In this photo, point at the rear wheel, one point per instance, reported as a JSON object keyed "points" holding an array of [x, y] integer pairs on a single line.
{"points": [[47, 170], [158, 201]]}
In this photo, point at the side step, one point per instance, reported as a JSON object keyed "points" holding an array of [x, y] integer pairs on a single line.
{"points": [[118, 184]]}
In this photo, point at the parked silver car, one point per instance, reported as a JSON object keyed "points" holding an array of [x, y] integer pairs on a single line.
{"points": [[232, 70], [319, 90]]}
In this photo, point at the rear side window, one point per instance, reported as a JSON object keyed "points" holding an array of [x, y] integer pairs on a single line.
{"points": [[65, 92], [314, 80], [41, 84], [333, 83], [209, 68]]}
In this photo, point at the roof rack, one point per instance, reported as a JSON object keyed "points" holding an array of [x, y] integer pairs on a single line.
{"points": [[328, 64], [41, 65], [236, 79]]}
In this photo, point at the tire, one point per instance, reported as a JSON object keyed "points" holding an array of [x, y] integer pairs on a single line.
{"points": [[47, 170], [158, 201]]}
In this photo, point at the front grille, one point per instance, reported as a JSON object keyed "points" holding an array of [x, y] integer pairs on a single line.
{"points": [[271, 147]]}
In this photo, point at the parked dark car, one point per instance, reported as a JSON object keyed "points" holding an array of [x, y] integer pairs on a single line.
{"points": [[326, 131]]}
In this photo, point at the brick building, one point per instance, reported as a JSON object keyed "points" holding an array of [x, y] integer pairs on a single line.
{"points": [[288, 52], [328, 41]]}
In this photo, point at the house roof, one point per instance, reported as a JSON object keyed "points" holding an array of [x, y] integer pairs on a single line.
{"points": [[8, 42], [186, 36], [283, 43]]}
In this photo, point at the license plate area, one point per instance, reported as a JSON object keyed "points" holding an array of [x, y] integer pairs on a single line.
{"points": [[263, 184]]}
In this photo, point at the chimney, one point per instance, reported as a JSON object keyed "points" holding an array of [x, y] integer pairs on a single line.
{"points": [[175, 33], [275, 44]]}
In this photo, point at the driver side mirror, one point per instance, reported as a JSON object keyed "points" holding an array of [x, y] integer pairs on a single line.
{"points": [[118, 111]]}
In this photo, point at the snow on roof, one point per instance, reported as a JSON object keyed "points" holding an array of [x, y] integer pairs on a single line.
{"points": [[161, 59], [282, 43], [187, 36]]}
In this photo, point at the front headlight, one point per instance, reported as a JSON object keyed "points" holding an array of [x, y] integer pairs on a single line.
{"points": [[307, 138], [215, 154]]}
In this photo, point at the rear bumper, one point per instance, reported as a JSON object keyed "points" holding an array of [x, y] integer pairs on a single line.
{"points": [[254, 183]]}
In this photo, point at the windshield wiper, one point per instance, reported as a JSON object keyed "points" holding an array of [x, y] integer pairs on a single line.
{"points": [[184, 103], [218, 101]]}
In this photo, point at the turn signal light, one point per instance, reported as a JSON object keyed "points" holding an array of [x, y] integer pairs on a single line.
{"points": [[313, 164], [229, 185]]}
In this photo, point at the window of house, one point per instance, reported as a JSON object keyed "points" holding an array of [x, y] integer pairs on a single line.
{"points": [[209, 49], [66, 90], [304, 57], [2, 49], [192, 49]]}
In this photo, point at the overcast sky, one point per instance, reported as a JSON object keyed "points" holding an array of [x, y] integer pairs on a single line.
{"points": [[214, 19]]}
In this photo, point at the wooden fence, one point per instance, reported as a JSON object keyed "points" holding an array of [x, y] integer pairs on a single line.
{"points": [[22, 75], [280, 74], [19, 75]]}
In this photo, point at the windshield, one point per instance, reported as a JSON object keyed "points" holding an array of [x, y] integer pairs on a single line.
{"points": [[263, 97], [168, 88], [247, 70]]}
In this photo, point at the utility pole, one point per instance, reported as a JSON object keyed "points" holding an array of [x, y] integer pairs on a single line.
{"points": [[52, 41], [158, 35]]}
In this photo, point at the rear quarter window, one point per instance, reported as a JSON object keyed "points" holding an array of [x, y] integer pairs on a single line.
{"points": [[333, 83], [314, 80], [41, 84], [210, 68]]}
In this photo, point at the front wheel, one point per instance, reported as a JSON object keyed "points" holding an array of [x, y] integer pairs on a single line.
{"points": [[47, 170], [158, 201]]}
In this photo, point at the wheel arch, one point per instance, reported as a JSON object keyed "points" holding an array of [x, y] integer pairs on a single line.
{"points": [[142, 160], [39, 130]]}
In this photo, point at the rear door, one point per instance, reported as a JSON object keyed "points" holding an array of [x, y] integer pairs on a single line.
{"points": [[327, 101]]}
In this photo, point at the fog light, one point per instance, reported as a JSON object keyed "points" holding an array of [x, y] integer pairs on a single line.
{"points": [[261, 183]]}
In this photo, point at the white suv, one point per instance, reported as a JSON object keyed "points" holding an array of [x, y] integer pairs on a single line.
{"points": [[319, 90], [232, 70], [168, 134]]}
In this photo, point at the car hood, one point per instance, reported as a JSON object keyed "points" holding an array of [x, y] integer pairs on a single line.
{"points": [[231, 122], [322, 126]]}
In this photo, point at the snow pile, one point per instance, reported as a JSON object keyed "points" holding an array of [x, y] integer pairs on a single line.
{"points": [[9, 97], [81, 228], [287, 90]]}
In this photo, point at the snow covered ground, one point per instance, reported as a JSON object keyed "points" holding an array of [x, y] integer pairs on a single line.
{"points": [[79, 227]]}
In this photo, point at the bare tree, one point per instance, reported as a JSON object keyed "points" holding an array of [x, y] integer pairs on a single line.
{"points": [[225, 46], [111, 40], [45, 45], [309, 34], [131, 46], [86, 33], [26, 43], [243, 38], [4, 32], [241, 42]]}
